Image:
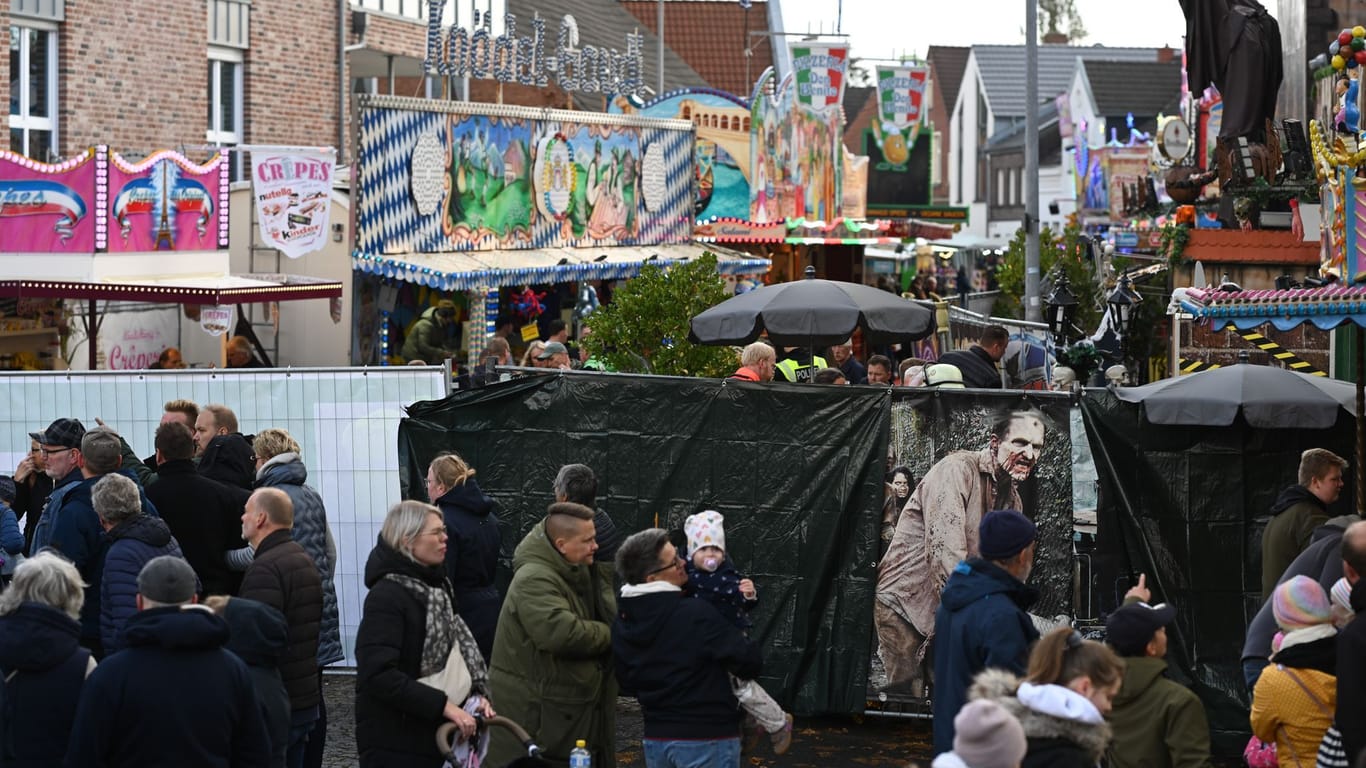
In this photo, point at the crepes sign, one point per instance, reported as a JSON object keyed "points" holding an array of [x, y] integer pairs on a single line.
{"points": [[293, 199]]}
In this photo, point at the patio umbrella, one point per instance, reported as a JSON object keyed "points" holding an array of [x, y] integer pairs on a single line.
{"points": [[813, 313], [1266, 395]]}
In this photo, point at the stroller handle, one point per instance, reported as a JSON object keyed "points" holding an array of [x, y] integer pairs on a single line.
{"points": [[447, 733]]}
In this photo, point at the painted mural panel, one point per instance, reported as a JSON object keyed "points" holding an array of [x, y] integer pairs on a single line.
{"points": [[454, 182], [167, 203], [721, 165], [796, 155], [47, 208]]}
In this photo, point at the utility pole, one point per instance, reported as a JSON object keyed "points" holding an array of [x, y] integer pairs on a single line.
{"points": [[660, 26], [1033, 311]]}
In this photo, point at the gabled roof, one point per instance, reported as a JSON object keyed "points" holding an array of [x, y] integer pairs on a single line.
{"points": [[1145, 88], [860, 107], [947, 65], [605, 23], [1002, 69], [711, 37]]}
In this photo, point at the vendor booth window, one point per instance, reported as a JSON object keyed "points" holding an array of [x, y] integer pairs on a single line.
{"points": [[33, 91], [225, 104]]}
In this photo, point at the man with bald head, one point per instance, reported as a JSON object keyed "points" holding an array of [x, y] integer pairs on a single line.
{"points": [[552, 657], [1346, 739], [283, 576]]}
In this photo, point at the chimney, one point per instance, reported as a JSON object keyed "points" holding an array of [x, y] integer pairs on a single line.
{"points": [[1167, 54]]}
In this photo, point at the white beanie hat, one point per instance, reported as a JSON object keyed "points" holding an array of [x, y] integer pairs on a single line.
{"points": [[987, 736], [704, 529]]}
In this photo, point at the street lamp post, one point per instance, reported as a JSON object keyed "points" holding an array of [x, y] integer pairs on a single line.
{"points": [[1062, 310], [1120, 305]]}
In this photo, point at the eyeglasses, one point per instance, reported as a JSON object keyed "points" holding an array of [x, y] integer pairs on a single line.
{"points": [[678, 560], [50, 451], [435, 532]]}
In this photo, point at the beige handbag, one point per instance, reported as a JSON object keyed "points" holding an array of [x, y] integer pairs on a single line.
{"points": [[453, 679]]}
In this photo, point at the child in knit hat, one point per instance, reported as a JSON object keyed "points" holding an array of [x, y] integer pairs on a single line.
{"points": [[1294, 701], [712, 577], [985, 735]]}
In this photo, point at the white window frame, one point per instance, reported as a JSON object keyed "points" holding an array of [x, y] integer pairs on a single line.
{"points": [[25, 121], [218, 57]]}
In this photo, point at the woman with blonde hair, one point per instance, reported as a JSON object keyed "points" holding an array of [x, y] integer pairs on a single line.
{"points": [[472, 547], [532, 350], [42, 662], [1062, 700], [417, 663]]}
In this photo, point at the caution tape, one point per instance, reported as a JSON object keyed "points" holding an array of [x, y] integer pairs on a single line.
{"points": [[1195, 366], [1286, 357]]}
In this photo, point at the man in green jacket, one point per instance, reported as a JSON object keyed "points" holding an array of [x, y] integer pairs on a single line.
{"points": [[427, 338], [1298, 511], [552, 662], [1157, 722]]}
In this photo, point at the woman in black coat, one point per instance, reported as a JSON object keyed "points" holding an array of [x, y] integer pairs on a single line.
{"points": [[472, 552], [41, 661], [408, 631]]}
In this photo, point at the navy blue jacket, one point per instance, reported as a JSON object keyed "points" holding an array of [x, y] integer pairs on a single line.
{"points": [[721, 588], [40, 647], [259, 636], [77, 534], [978, 369], [11, 536], [131, 544], [673, 654], [174, 696], [472, 559], [981, 622], [854, 371]]}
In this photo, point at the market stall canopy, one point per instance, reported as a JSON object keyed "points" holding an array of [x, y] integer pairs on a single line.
{"points": [[813, 313], [226, 289], [1267, 396], [1326, 307], [468, 270]]}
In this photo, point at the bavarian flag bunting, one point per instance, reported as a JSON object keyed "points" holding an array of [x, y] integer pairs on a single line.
{"points": [[820, 71], [900, 102]]}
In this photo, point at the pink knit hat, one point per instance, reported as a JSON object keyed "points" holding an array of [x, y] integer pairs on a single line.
{"points": [[1300, 602], [1342, 593]]}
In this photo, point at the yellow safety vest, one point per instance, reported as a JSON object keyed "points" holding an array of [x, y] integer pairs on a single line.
{"points": [[794, 371]]}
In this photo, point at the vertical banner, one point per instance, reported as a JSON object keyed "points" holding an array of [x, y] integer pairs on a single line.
{"points": [[954, 457], [819, 71], [47, 208], [900, 110], [294, 199], [167, 203]]}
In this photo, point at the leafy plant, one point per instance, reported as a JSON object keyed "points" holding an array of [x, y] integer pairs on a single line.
{"points": [[645, 328], [1066, 253]]}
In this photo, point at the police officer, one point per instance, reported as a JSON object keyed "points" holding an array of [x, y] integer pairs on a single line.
{"points": [[798, 364]]}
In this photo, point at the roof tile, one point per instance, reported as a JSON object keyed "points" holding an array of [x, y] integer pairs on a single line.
{"points": [[713, 38]]}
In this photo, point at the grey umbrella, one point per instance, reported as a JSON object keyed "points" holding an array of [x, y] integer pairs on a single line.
{"points": [[1266, 395], [813, 313]]}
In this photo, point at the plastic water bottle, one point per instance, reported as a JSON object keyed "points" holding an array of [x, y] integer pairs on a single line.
{"points": [[579, 756]]}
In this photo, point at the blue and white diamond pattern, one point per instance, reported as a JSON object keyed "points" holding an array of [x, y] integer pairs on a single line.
{"points": [[387, 220]]}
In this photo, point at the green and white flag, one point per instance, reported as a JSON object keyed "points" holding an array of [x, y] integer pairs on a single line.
{"points": [[901, 110]]}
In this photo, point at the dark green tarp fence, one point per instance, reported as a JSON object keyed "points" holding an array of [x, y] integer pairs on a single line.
{"points": [[796, 470], [1186, 506]]}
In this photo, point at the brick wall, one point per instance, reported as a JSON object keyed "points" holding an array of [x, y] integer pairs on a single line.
{"points": [[939, 121], [1200, 342], [132, 79], [290, 81]]}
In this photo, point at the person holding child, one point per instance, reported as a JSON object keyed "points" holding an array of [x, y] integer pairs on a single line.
{"points": [[712, 577]]}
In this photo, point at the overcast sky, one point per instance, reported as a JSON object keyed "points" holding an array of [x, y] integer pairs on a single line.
{"points": [[917, 24]]}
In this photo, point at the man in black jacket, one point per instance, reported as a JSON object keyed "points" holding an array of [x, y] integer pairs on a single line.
{"points": [[224, 453], [673, 654], [204, 515], [1350, 718], [283, 576], [978, 362], [174, 696]]}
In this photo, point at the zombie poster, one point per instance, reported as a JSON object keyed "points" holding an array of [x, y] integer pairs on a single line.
{"points": [[952, 457], [167, 203]]}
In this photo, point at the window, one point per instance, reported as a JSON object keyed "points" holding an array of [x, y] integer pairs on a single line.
{"points": [[1002, 187], [225, 104], [936, 161], [33, 92]]}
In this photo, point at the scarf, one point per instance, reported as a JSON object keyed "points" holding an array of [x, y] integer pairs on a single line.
{"points": [[444, 627]]}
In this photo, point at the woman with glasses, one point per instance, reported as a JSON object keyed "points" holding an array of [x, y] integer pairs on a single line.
{"points": [[417, 663], [33, 487], [472, 550]]}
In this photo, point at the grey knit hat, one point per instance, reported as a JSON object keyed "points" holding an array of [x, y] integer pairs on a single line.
{"points": [[987, 736]]}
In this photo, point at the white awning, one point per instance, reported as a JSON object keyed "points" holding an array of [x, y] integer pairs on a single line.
{"points": [[468, 270]]}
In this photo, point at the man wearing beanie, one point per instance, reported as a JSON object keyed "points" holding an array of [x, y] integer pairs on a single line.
{"points": [[985, 736], [1157, 723], [174, 695], [982, 620]]}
